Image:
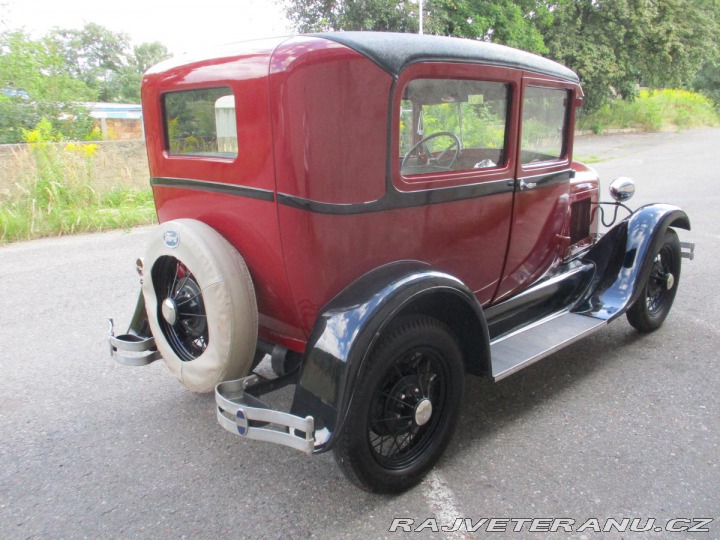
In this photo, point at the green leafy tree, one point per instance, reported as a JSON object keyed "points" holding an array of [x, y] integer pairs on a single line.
{"points": [[707, 80], [35, 85], [614, 45], [617, 45], [124, 83], [32, 68], [104, 60], [50, 78], [148, 54], [93, 54], [503, 21]]}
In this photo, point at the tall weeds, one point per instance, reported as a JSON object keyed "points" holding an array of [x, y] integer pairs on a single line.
{"points": [[56, 195]]}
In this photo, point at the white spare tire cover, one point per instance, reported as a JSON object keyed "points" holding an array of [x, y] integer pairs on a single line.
{"points": [[228, 296]]}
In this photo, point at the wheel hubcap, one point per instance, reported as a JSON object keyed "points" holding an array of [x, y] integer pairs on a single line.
{"points": [[169, 311], [670, 281], [423, 412]]}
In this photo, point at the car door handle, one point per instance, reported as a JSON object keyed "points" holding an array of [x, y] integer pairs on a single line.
{"points": [[523, 185]]}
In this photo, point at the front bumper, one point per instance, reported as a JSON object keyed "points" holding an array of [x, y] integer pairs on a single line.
{"points": [[246, 415], [687, 250]]}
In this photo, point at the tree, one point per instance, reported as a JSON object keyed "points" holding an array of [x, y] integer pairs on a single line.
{"points": [[92, 54], [503, 21], [614, 45], [51, 77], [104, 60], [32, 67], [148, 54], [123, 84], [708, 80], [33, 85], [617, 45]]}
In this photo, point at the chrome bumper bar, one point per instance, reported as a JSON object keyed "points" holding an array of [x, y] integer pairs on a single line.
{"points": [[248, 416], [137, 346], [132, 350], [687, 250]]}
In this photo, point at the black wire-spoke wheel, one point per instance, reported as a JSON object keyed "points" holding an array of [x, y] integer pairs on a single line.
{"points": [[658, 292], [181, 310], [402, 422], [405, 407]]}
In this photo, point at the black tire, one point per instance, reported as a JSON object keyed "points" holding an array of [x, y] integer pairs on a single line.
{"points": [[658, 292], [405, 407]]}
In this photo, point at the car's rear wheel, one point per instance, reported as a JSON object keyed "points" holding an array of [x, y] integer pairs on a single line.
{"points": [[200, 304], [405, 407], [658, 292]]}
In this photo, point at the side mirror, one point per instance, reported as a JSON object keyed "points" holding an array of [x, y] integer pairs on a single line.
{"points": [[622, 189]]}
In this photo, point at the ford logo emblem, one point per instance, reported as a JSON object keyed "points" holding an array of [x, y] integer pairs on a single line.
{"points": [[171, 239]]}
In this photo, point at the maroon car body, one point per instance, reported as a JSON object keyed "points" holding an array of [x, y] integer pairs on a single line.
{"points": [[327, 175]]}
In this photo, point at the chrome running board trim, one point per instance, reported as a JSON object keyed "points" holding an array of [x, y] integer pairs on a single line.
{"points": [[513, 352]]}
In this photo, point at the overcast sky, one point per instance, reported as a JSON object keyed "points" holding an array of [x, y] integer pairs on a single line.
{"points": [[181, 26]]}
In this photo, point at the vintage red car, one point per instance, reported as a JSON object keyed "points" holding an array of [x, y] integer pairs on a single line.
{"points": [[381, 214]]}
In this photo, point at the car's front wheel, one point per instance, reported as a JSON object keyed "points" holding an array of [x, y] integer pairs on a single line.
{"points": [[405, 407], [658, 292]]}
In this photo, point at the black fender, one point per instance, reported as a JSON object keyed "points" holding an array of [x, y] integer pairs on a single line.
{"points": [[350, 325], [623, 259]]}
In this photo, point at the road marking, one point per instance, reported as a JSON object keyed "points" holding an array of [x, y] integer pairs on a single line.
{"points": [[441, 500]]}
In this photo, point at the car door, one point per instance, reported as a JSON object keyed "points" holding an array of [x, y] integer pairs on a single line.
{"points": [[454, 149], [542, 183]]}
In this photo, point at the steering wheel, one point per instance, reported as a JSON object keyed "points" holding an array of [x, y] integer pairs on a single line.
{"points": [[441, 162]]}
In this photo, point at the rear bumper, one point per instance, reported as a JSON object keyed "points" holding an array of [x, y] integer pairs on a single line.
{"points": [[131, 349], [249, 417]]}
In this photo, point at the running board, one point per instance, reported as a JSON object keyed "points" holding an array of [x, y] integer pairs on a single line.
{"points": [[513, 352]]}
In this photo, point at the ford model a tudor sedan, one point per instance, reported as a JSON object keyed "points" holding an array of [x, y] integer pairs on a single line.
{"points": [[380, 215]]}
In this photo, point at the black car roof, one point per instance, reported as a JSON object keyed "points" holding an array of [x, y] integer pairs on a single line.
{"points": [[393, 52]]}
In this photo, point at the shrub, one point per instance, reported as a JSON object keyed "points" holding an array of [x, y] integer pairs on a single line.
{"points": [[654, 110]]}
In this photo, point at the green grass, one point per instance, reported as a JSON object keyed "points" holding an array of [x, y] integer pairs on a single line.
{"points": [[589, 160], [654, 110], [56, 196]]}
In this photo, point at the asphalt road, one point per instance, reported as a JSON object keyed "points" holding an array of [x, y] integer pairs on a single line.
{"points": [[616, 426]]}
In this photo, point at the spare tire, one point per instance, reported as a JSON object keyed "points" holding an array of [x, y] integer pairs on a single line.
{"points": [[200, 304]]}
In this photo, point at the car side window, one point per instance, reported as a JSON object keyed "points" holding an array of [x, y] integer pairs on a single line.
{"points": [[452, 125], [544, 122], [201, 123]]}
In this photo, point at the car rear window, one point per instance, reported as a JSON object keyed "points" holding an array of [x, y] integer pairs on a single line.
{"points": [[201, 122]]}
